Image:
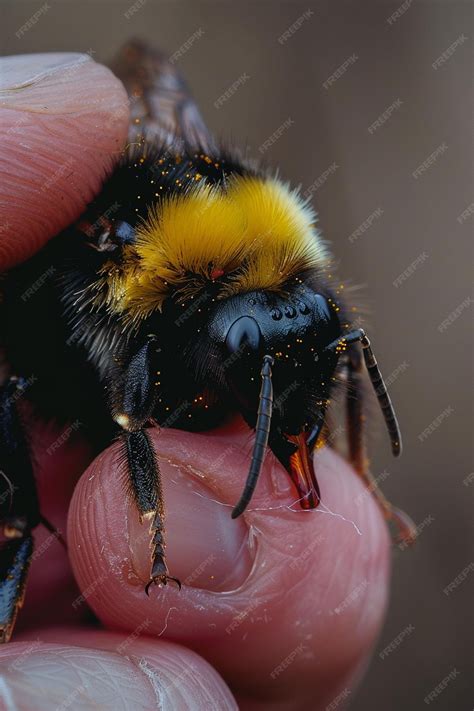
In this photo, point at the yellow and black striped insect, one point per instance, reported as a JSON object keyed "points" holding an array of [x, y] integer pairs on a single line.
{"points": [[195, 286]]}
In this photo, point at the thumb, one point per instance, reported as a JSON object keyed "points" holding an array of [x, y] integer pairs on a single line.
{"points": [[83, 670], [64, 122], [285, 603]]}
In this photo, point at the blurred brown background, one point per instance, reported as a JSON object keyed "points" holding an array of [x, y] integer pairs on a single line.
{"points": [[355, 141]]}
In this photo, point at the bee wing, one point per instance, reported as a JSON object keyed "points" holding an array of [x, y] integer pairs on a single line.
{"points": [[161, 107]]}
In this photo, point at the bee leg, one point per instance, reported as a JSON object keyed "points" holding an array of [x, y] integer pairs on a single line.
{"points": [[357, 451], [19, 509], [55, 531], [15, 556], [145, 487]]}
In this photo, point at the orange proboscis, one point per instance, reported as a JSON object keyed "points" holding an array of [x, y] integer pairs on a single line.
{"points": [[302, 472]]}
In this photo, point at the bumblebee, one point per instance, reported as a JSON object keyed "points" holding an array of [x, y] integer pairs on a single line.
{"points": [[195, 286]]}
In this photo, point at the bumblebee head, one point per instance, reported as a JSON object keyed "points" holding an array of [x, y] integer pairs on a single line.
{"points": [[293, 329], [287, 327]]}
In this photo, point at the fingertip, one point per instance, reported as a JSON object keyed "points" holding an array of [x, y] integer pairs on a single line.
{"points": [[84, 669], [64, 123], [311, 585]]}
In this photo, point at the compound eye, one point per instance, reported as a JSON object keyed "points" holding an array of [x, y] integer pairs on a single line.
{"points": [[323, 307], [244, 331], [123, 232], [108, 235]]}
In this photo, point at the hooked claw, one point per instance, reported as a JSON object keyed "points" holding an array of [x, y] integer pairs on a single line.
{"points": [[162, 580]]}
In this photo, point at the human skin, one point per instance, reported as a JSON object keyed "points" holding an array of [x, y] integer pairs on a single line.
{"points": [[279, 609]]}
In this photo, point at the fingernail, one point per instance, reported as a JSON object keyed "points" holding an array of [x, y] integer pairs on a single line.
{"points": [[205, 547], [47, 676], [64, 122], [56, 82], [23, 69], [53, 676]]}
